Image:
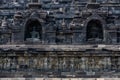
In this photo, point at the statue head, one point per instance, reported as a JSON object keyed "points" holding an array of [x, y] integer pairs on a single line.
{"points": [[33, 28]]}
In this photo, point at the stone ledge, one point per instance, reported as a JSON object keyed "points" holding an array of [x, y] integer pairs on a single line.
{"points": [[61, 47]]}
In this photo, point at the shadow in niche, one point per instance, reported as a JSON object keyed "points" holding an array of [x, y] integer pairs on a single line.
{"points": [[33, 31], [94, 32], [118, 35]]}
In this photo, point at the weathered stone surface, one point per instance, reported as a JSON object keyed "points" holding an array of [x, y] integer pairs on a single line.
{"points": [[59, 38]]}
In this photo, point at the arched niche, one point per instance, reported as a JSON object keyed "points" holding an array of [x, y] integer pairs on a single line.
{"points": [[94, 31], [33, 30]]}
